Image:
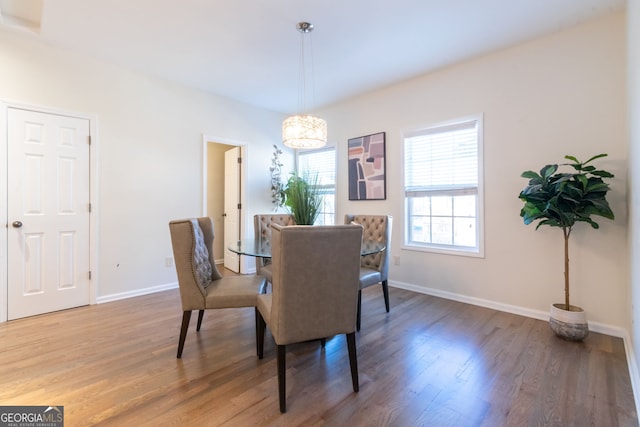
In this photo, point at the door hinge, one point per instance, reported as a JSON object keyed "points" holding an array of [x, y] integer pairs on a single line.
{"points": [[239, 159], [89, 274], [89, 207], [89, 139], [239, 205]]}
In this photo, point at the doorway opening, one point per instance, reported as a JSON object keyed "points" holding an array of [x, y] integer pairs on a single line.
{"points": [[223, 197]]}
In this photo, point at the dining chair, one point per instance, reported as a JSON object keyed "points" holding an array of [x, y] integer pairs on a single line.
{"points": [[262, 232], [314, 291], [374, 268], [202, 287]]}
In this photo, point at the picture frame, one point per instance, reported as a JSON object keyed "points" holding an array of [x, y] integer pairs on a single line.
{"points": [[367, 167]]}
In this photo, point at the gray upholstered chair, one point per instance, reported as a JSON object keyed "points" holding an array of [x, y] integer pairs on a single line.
{"points": [[201, 285], [262, 230], [374, 268], [315, 291]]}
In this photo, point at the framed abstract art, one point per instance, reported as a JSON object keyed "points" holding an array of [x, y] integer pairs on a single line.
{"points": [[367, 168]]}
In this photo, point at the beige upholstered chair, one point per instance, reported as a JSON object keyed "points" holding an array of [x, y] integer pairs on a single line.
{"points": [[374, 268], [201, 285], [262, 229], [315, 291]]}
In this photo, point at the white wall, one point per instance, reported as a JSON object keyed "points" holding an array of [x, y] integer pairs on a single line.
{"points": [[562, 94], [149, 148]]}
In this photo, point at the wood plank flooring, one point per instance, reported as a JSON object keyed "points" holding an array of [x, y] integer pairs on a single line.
{"points": [[429, 362]]}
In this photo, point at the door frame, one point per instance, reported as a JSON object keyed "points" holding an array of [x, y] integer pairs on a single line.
{"points": [[93, 199], [245, 265]]}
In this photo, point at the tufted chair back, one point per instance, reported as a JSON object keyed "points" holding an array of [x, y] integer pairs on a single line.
{"points": [[376, 228], [201, 285], [192, 241], [262, 229]]}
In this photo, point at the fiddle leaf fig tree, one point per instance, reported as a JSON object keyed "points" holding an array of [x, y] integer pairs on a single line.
{"points": [[562, 199]]}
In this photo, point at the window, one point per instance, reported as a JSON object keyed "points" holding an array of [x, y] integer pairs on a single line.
{"points": [[443, 187], [323, 163]]}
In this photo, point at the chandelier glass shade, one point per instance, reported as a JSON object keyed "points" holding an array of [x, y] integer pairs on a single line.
{"points": [[304, 130]]}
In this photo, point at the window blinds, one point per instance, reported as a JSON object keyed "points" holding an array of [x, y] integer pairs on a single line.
{"points": [[442, 159], [320, 162]]}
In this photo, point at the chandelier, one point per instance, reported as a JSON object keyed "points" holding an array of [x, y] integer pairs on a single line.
{"points": [[304, 130]]}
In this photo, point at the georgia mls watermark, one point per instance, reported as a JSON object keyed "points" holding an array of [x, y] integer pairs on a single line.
{"points": [[31, 416]]}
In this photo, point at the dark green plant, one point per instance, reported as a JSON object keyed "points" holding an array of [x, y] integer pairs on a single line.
{"points": [[302, 198], [562, 199]]}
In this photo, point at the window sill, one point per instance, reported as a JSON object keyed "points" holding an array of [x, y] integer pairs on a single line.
{"points": [[471, 252]]}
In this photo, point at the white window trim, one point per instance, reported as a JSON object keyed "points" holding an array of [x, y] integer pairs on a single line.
{"points": [[461, 251]]}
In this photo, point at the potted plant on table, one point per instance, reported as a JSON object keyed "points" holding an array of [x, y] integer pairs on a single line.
{"points": [[302, 198], [562, 199]]}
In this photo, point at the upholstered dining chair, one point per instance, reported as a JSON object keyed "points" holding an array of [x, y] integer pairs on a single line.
{"points": [[314, 291], [375, 267], [262, 230], [202, 287]]}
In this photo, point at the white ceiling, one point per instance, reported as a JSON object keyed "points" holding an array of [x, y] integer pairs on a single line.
{"points": [[248, 50]]}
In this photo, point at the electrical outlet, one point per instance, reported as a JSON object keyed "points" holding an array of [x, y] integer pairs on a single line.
{"points": [[396, 260], [168, 262]]}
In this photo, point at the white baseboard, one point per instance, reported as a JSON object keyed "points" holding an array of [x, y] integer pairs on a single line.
{"points": [[601, 328], [136, 293], [633, 370], [251, 269]]}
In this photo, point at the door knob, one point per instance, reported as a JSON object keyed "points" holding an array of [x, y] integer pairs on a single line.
{"points": [[17, 224]]}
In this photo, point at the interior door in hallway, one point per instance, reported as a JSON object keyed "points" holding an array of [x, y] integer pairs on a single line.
{"points": [[48, 211], [232, 159]]}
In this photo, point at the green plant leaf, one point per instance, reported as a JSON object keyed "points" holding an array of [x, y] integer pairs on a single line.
{"points": [[603, 174], [596, 186], [548, 170], [597, 156], [531, 175], [583, 180]]}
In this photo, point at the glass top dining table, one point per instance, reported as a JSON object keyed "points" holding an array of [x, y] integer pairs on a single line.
{"points": [[262, 248]]}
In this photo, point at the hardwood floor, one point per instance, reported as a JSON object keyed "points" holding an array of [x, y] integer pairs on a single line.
{"points": [[429, 362]]}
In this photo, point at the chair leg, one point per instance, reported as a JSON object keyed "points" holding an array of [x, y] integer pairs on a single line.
{"points": [[353, 360], [186, 317], [385, 292], [200, 316], [323, 342], [260, 327], [359, 309], [282, 387]]}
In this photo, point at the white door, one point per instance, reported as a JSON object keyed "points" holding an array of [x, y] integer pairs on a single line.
{"points": [[231, 207], [48, 212]]}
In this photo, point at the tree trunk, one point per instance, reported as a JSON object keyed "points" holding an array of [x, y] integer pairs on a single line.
{"points": [[567, 306]]}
